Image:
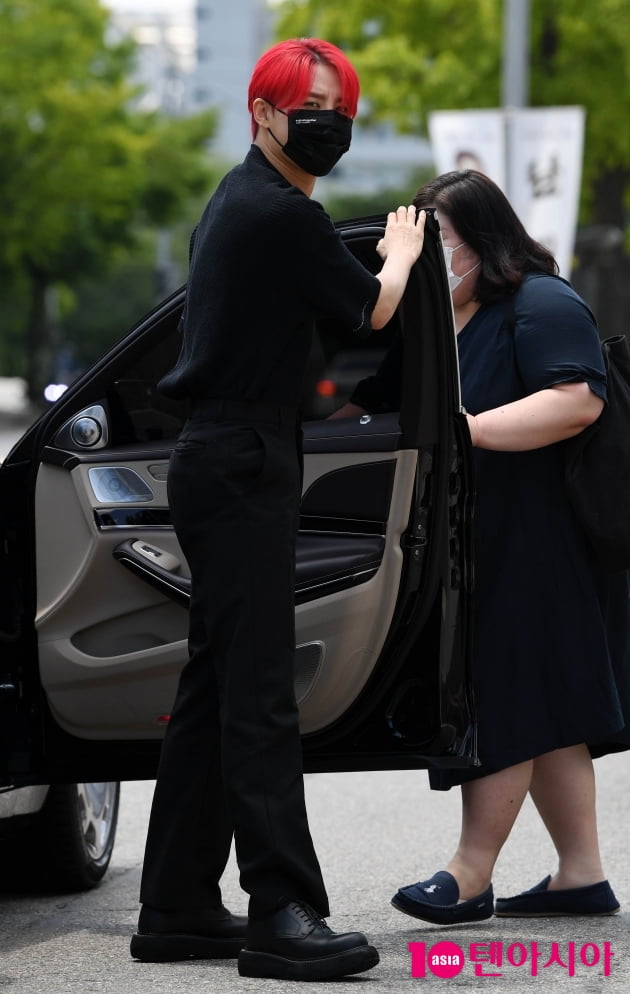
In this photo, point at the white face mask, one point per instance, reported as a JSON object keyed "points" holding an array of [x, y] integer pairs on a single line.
{"points": [[453, 279]]}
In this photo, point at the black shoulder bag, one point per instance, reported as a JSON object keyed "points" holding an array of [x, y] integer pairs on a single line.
{"points": [[597, 462]]}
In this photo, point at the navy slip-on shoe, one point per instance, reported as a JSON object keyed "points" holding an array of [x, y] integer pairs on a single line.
{"points": [[436, 901], [539, 902]]}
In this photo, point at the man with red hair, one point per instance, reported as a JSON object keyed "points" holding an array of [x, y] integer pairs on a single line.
{"points": [[266, 259]]}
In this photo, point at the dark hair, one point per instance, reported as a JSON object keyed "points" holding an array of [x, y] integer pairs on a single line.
{"points": [[483, 216]]}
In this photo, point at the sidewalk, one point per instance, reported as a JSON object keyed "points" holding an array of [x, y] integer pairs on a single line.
{"points": [[16, 413]]}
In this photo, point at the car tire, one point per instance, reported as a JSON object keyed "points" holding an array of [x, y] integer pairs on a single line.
{"points": [[68, 845]]}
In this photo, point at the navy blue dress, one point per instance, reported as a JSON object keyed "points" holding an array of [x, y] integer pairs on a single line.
{"points": [[551, 643]]}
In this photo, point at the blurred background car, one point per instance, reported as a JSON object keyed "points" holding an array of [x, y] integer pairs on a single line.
{"points": [[340, 377]]}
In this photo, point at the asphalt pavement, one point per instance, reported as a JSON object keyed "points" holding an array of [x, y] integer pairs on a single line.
{"points": [[373, 832], [15, 413]]}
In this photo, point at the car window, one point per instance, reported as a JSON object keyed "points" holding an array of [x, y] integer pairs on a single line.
{"points": [[138, 411], [339, 361]]}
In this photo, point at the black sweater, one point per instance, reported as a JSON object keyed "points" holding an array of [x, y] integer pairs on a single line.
{"points": [[266, 261]]}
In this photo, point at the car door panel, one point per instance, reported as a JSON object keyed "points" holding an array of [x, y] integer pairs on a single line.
{"points": [[109, 664], [382, 581], [110, 646], [353, 624]]}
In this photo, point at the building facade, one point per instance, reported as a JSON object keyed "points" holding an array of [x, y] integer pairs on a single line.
{"points": [[230, 36]]}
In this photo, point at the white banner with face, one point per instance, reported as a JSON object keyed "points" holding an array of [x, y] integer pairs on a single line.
{"points": [[534, 154], [469, 139]]}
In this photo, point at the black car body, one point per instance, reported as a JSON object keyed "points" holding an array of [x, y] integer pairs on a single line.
{"points": [[93, 618]]}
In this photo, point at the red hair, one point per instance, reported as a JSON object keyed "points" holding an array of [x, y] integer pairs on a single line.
{"points": [[284, 74]]}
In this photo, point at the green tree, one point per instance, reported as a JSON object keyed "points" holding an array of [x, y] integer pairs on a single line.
{"points": [[342, 206], [80, 169], [415, 57]]}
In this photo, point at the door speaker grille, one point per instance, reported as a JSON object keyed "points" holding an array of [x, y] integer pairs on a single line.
{"points": [[308, 659]]}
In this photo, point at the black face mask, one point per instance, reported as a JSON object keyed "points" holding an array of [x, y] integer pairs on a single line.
{"points": [[317, 139]]}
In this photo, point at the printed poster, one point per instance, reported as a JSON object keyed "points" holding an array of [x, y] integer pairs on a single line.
{"points": [[533, 153]]}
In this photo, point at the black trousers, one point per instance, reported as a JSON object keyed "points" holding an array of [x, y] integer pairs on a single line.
{"points": [[231, 761]]}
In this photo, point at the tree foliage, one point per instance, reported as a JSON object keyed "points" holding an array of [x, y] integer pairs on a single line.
{"points": [[80, 169], [416, 56]]}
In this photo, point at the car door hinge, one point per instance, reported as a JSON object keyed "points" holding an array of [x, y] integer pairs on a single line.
{"points": [[414, 545]]}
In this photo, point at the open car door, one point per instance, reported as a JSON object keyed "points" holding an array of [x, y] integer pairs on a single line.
{"points": [[94, 623]]}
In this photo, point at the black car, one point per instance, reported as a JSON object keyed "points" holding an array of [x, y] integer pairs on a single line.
{"points": [[93, 617]]}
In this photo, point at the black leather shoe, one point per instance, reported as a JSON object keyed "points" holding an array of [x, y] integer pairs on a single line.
{"points": [[166, 936], [295, 943]]}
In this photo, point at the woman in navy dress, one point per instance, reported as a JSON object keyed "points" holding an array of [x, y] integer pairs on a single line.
{"points": [[550, 631]]}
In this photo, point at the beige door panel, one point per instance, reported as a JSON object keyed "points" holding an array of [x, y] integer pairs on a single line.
{"points": [[111, 646], [351, 626]]}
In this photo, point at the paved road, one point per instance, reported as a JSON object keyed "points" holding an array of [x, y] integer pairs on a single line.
{"points": [[373, 832], [12, 427], [7, 439]]}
